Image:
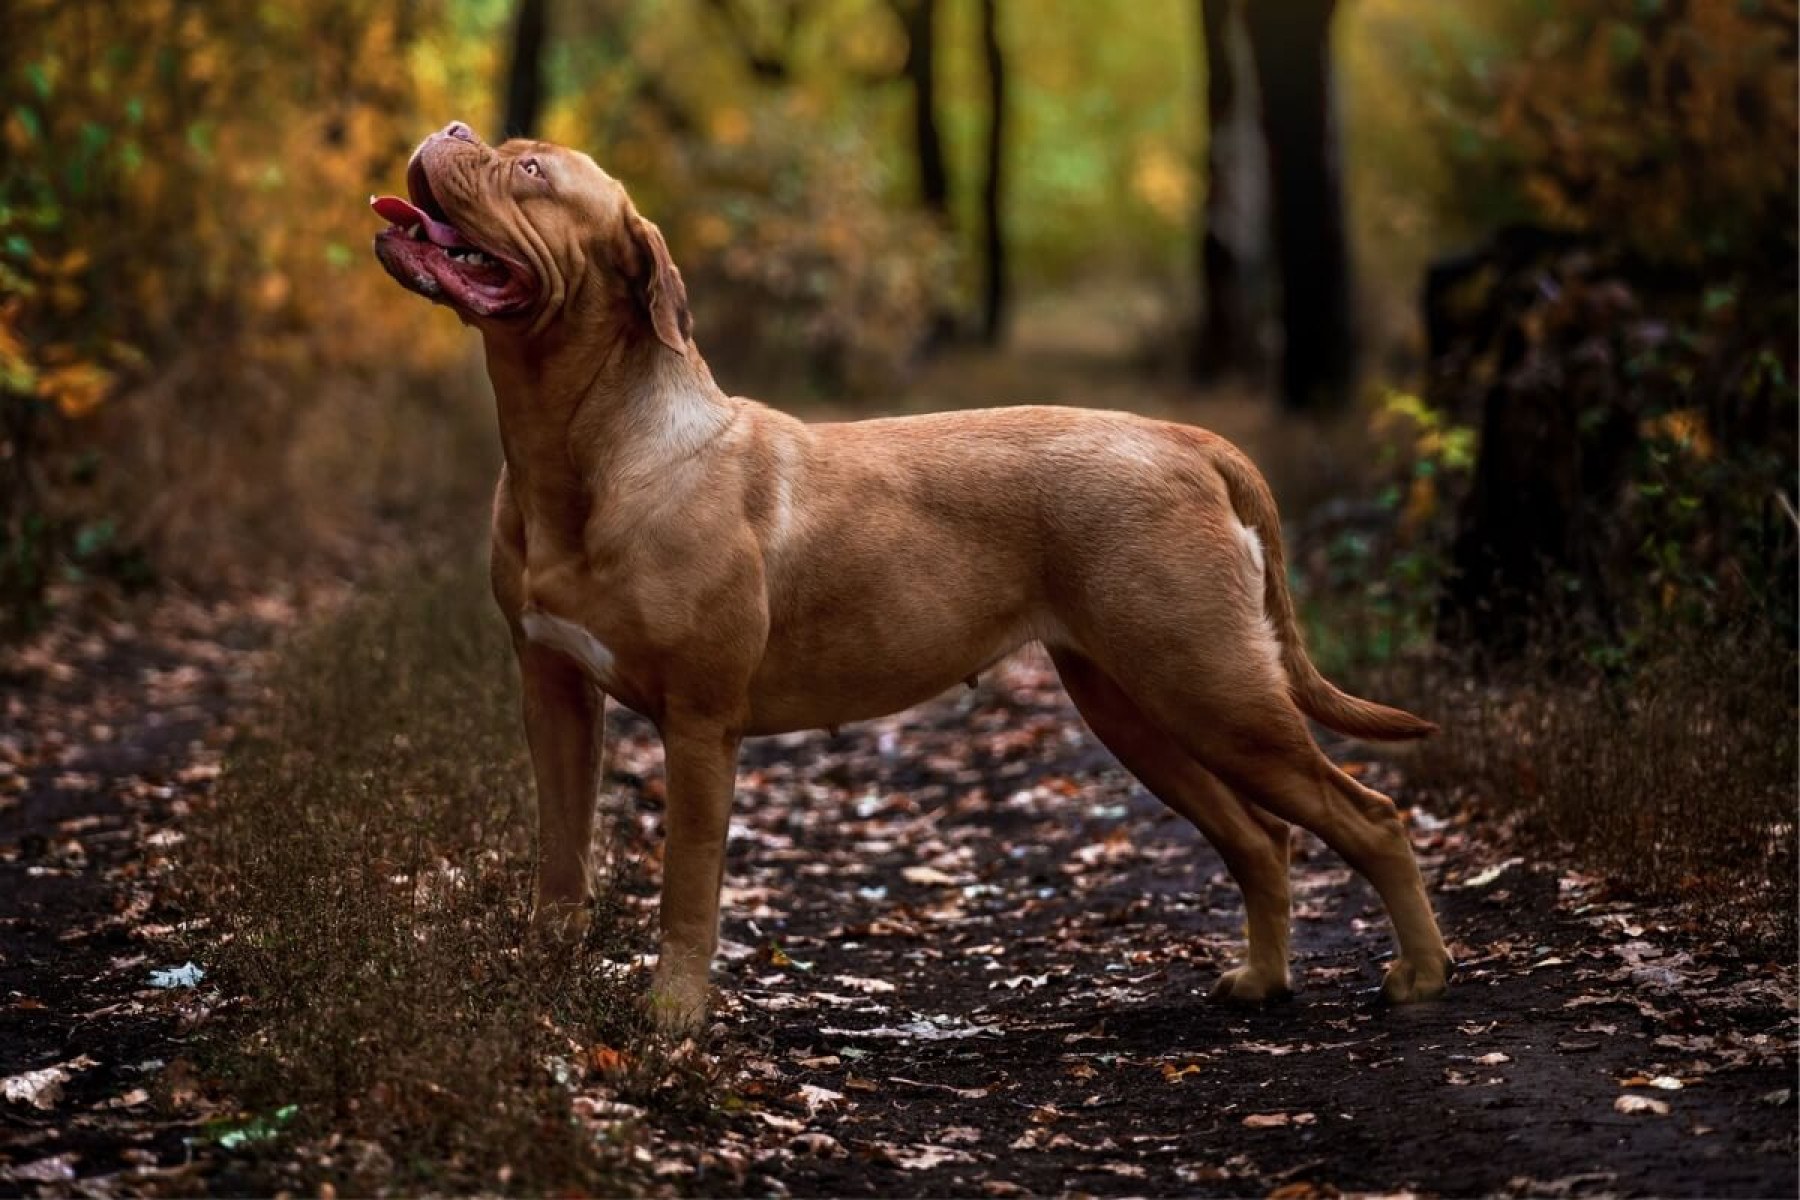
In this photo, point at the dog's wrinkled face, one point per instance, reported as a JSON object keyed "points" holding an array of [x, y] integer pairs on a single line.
{"points": [[526, 235]]}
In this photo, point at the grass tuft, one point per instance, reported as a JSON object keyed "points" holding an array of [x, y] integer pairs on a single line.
{"points": [[1676, 779], [368, 862]]}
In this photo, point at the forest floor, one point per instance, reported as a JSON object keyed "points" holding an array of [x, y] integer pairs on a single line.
{"points": [[964, 954]]}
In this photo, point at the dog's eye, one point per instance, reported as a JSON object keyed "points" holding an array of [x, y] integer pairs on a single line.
{"points": [[530, 167]]}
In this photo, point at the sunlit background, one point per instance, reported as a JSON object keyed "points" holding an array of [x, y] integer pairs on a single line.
{"points": [[1185, 206]]}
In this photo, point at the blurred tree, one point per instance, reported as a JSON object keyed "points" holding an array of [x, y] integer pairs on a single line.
{"points": [[1234, 241], [764, 34], [1625, 344], [1291, 43], [920, 20], [993, 192], [525, 74]]}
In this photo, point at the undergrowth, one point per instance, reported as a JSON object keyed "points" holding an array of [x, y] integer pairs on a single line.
{"points": [[1674, 776], [367, 865]]}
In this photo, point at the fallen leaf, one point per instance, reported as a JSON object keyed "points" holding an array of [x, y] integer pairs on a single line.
{"points": [[41, 1088], [58, 1169], [965, 1093], [815, 1097], [131, 1099], [1493, 1060], [928, 877], [919, 1031], [607, 1060], [1633, 1104], [1482, 878], [873, 987], [1276, 1120], [819, 1145], [924, 1158], [1303, 1189], [594, 1108], [185, 976]]}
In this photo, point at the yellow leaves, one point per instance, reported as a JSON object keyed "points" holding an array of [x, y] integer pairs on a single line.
{"points": [[16, 133], [69, 265], [607, 1061], [16, 370], [708, 231], [729, 126], [1421, 503], [1686, 428], [76, 389], [1163, 181]]}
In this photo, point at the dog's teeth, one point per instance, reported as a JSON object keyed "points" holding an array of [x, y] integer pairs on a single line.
{"points": [[417, 232]]}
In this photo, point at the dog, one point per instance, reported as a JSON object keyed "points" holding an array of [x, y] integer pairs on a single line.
{"points": [[728, 571]]}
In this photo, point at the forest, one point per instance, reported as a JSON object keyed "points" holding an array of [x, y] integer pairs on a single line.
{"points": [[1502, 298]]}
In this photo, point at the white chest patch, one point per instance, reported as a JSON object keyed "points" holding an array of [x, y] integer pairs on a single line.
{"points": [[566, 637]]}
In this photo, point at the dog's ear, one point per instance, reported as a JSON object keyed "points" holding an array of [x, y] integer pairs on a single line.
{"points": [[656, 283]]}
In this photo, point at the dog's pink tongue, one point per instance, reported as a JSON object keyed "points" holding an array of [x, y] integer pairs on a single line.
{"points": [[406, 214]]}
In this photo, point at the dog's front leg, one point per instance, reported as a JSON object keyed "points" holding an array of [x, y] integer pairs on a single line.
{"points": [[562, 712], [701, 760]]}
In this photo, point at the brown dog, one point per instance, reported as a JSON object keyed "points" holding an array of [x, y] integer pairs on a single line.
{"points": [[727, 570]]}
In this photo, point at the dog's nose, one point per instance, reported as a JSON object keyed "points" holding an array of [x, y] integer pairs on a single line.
{"points": [[460, 132]]}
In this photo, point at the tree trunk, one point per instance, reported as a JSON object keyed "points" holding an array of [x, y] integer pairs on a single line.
{"points": [[1291, 43], [1234, 240], [525, 74], [921, 47], [994, 289]]}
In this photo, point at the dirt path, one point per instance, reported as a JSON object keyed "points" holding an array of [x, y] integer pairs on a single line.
{"points": [[965, 956], [970, 957], [108, 736]]}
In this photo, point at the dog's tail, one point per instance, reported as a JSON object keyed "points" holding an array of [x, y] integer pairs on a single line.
{"points": [[1316, 696]]}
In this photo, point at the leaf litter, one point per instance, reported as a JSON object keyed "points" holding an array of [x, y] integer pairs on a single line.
{"points": [[1054, 934]]}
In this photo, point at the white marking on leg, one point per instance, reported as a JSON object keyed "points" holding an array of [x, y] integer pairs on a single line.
{"points": [[1253, 543], [1265, 645], [566, 637]]}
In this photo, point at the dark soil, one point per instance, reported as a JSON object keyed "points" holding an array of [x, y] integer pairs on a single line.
{"points": [[108, 737], [965, 956], [1027, 1012]]}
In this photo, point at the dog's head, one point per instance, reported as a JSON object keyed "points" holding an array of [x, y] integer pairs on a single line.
{"points": [[526, 236]]}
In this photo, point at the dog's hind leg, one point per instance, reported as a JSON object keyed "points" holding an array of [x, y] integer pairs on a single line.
{"points": [[1245, 729], [1253, 843]]}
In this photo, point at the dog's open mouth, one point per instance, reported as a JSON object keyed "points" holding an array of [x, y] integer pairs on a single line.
{"points": [[427, 254]]}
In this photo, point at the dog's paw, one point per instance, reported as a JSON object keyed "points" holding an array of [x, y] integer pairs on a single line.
{"points": [[1245, 985], [1410, 983], [677, 1009]]}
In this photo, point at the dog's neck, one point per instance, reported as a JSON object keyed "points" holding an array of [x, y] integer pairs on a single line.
{"points": [[579, 418]]}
